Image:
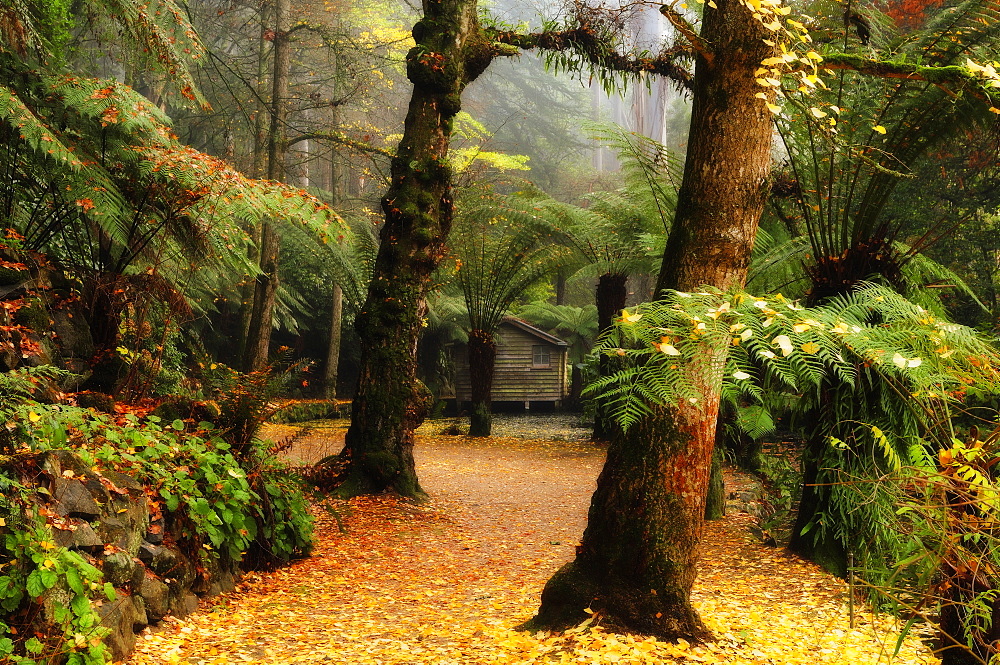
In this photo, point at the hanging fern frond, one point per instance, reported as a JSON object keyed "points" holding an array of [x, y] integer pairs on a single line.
{"points": [[871, 332]]}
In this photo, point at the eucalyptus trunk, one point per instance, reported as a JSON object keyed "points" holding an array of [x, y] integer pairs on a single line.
{"points": [[331, 371], [257, 169], [482, 360], [389, 402], [637, 561], [266, 286]]}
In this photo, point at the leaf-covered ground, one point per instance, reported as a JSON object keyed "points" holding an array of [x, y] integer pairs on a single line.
{"points": [[444, 582]]}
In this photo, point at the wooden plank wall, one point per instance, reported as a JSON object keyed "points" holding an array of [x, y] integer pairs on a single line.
{"points": [[514, 377]]}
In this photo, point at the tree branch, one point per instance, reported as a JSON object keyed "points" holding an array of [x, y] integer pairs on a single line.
{"points": [[598, 51], [899, 70], [686, 29], [960, 75], [341, 139]]}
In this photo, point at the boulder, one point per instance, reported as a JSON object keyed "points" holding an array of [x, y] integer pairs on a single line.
{"points": [[113, 531], [156, 595], [121, 617], [119, 569], [74, 500], [79, 537]]}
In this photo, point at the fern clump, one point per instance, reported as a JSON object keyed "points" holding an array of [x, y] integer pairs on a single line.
{"points": [[751, 342]]}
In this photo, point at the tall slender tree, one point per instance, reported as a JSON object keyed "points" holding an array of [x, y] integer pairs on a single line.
{"points": [[266, 284]]}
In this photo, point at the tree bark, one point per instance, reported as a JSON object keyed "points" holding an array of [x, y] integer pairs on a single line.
{"points": [[612, 293], [636, 563], [715, 501], [389, 402], [266, 286], [482, 359], [331, 370]]}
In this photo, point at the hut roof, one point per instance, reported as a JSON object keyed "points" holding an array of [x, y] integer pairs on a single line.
{"points": [[532, 330]]}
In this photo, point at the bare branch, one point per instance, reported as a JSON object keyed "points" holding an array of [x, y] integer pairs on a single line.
{"points": [[341, 139]]}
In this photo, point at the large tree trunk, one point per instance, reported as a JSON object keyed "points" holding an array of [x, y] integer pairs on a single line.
{"points": [[612, 294], [266, 286], [482, 358], [450, 52], [637, 560]]}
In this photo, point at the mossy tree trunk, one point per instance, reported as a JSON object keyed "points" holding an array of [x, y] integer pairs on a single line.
{"points": [[611, 296], [389, 402], [482, 359], [637, 560], [715, 502]]}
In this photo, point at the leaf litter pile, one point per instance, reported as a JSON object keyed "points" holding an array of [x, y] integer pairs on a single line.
{"points": [[444, 582]]}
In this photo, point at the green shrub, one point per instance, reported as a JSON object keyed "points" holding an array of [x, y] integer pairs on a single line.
{"points": [[34, 572], [303, 411], [254, 514], [220, 511]]}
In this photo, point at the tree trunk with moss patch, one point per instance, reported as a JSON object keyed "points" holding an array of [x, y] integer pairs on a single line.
{"points": [[637, 560], [482, 359], [611, 296], [389, 402], [715, 502]]}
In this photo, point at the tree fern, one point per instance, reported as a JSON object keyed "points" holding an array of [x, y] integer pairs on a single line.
{"points": [[850, 145]]}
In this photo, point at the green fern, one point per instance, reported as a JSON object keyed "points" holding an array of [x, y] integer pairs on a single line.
{"points": [[660, 345]]}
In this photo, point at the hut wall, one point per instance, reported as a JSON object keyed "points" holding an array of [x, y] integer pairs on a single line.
{"points": [[516, 377]]}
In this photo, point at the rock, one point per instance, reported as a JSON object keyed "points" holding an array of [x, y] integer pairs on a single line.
{"points": [[141, 618], [73, 333], [154, 534], [138, 575], [119, 569], [124, 482], [120, 617], [184, 604], [161, 560], [147, 552], [74, 500], [223, 582], [80, 369], [97, 401], [135, 516], [113, 531], [82, 538], [54, 462], [156, 595], [66, 465]]}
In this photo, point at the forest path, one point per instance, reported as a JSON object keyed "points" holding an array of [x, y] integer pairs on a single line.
{"points": [[443, 582]]}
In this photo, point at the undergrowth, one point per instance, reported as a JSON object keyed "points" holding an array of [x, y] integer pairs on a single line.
{"points": [[228, 508]]}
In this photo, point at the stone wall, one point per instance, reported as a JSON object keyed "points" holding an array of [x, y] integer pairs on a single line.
{"points": [[110, 520]]}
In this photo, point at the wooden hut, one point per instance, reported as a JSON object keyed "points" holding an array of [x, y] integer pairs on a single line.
{"points": [[531, 366]]}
